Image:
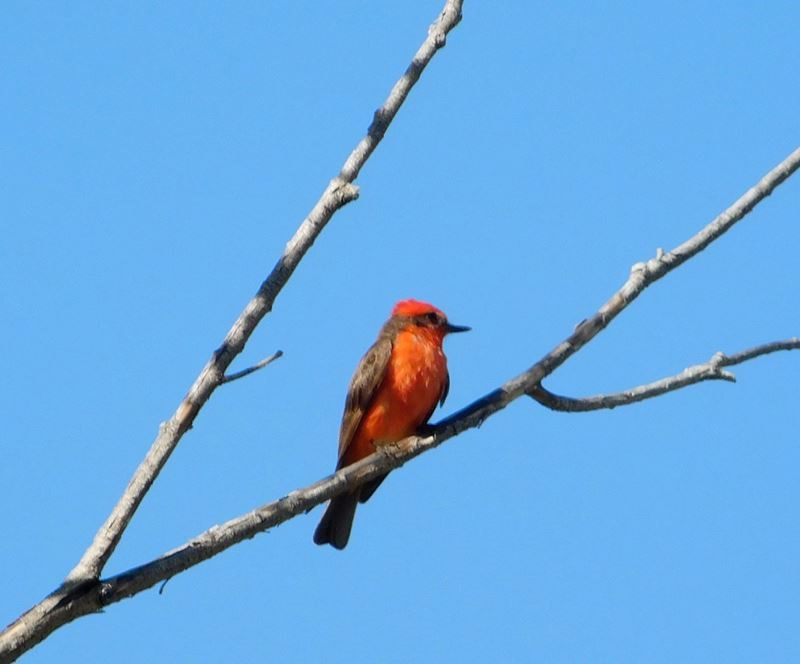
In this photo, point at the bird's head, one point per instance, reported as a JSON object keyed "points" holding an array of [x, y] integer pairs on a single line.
{"points": [[425, 316]]}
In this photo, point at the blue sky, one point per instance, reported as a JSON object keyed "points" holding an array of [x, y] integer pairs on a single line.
{"points": [[156, 159]]}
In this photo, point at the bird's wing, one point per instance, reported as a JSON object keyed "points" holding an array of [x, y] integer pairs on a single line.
{"points": [[442, 397], [364, 384], [445, 389]]}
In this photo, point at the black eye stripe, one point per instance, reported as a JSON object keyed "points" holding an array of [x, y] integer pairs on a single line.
{"points": [[429, 319]]}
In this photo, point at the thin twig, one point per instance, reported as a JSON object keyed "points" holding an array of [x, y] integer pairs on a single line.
{"points": [[35, 624], [711, 370], [246, 372], [755, 351]]}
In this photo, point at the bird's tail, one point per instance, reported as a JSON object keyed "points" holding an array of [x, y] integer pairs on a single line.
{"points": [[334, 528]]}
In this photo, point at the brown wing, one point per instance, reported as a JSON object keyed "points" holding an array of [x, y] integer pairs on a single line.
{"points": [[445, 390], [442, 397], [363, 385]]}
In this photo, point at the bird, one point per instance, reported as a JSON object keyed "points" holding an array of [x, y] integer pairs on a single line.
{"points": [[393, 392]]}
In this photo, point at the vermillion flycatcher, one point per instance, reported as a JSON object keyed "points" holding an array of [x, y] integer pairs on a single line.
{"points": [[393, 392]]}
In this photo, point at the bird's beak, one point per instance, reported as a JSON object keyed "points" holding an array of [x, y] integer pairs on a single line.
{"points": [[450, 328]]}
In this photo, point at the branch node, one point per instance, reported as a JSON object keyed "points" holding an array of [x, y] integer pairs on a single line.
{"points": [[347, 191], [717, 359], [638, 267]]}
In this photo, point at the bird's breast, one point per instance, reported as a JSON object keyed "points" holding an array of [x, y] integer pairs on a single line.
{"points": [[413, 384]]}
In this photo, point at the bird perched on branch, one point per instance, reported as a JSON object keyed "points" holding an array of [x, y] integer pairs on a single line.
{"points": [[393, 392]]}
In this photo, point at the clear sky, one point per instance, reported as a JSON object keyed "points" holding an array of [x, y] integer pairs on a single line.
{"points": [[156, 157]]}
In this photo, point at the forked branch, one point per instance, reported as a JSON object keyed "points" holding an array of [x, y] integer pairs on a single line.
{"points": [[83, 592], [59, 607], [338, 193], [219, 538]]}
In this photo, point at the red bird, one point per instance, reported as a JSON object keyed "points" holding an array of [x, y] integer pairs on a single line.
{"points": [[393, 392]]}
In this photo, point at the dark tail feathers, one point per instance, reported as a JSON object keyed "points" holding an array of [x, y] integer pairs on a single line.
{"points": [[334, 528]]}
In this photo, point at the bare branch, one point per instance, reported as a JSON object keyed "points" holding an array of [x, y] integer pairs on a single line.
{"points": [[75, 599], [711, 370], [94, 597], [756, 351], [473, 415], [338, 193], [641, 276], [255, 367], [91, 596], [41, 620], [83, 592]]}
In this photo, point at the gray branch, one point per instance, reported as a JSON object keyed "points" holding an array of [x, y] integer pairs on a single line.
{"points": [[49, 614], [641, 276], [246, 372], [338, 193], [100, 594], [69, 603], [711, 370]]}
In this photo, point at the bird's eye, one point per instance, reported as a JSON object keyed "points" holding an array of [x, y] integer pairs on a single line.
{"points": [[433, 318]]}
